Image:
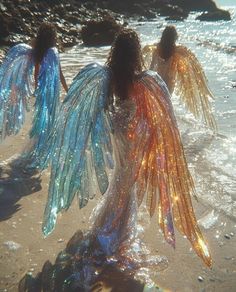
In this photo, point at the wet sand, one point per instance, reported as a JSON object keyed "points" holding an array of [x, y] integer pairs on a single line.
{"points": [[22, 201]]}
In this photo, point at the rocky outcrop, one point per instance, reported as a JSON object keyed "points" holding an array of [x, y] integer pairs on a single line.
{"points": [[20, 19], [173, 12], [100, 32], [196, 5], [211, 11], [219, 14]]}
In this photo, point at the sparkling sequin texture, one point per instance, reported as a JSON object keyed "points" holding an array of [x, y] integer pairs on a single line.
{"points": [[47, 104], [16, 86], [140, 135], [161, 168], [183, 74], [81, 146]]}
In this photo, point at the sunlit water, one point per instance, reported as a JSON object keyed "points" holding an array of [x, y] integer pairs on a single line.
{"points": [[212, 158]]}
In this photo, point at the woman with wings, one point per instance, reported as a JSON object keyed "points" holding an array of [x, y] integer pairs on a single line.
{"points": [[17, 85], [117, 119], [182, 73]]}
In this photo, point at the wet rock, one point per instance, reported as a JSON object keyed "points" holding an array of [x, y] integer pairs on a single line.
{"points": [[193, 5], [101, 32], [175, 18], [4, 30], [228, 258], [20, 19], [2, 7], [200, 279], [25, 12], [89, 5], [216, 15], [174, 12], [73, 32], [60, 10], [227, 236], [17, 24], [69, 42], [139, 9], [150, 14], [72, 19]]}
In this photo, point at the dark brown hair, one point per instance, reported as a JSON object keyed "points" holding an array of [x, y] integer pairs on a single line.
{"points": [[125, 61], [46, 38], [167, 43]]}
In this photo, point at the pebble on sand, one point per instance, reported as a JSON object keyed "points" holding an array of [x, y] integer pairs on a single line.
{"points": [[12, 245]]}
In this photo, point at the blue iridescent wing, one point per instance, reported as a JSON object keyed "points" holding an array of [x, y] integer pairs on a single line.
{"points": [[16, 85], [82, 143], [47, 104]]}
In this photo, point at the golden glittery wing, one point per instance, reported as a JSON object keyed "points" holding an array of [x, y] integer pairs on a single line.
{"points": [[191, 85], [147, 55], [160, 168]]}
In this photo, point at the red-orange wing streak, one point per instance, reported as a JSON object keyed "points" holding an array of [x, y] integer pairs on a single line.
{"points": [[161, 167]]}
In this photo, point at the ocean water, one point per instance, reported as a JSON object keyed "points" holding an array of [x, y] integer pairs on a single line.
{"points": [[212, 158]]}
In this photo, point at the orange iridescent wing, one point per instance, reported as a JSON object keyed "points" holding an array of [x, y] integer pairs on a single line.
{"points": [[191, 85], [147, 55], [160, 165]]}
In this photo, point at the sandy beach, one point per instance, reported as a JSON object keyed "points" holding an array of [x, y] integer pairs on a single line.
{"points": [[24, 249]]}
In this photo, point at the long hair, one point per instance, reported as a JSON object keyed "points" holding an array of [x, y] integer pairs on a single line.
{"points": [[167, 43], [125, 61], [46, 38]]}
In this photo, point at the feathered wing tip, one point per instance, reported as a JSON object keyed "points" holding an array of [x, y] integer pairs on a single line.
{"points": [[191, 85], [161, 168], [46, 108], [82, 143], [16, 85]]}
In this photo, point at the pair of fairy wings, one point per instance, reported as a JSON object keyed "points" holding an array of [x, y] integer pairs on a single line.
{"points": [[83, 153], [17, 85], [190, 81]]}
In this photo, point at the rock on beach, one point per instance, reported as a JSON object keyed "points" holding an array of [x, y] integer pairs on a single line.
{"points": [[20, 19]]}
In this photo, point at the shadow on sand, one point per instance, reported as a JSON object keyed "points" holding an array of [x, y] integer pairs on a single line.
{"points": [[16, 181]]}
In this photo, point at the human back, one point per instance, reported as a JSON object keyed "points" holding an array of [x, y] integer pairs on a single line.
{"points": [[163, 60]]}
